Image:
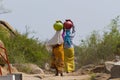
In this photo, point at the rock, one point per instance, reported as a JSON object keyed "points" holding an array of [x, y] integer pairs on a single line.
{"points": [[115, 79], [101, 76], [29, 68], [113, 68], [115, 71], [7, 28], [109, 65], [35, 69], [99, 69], [5, 70], [85, 69]]}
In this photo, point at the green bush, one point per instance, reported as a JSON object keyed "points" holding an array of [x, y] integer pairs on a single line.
{"points": [[22, 49], [98, 48]]}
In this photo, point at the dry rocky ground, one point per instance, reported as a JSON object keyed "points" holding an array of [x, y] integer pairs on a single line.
{"points": [[52, 77], [89, 72]]}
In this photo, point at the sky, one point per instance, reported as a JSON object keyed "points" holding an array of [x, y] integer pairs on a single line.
{"points": [[40, 15]]}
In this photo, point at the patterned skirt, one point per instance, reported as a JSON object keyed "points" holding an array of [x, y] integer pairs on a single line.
{"points": [[57, 60]]}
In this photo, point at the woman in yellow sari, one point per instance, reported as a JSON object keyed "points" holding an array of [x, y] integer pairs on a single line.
{"points": [[56, 43], [68, 36]]}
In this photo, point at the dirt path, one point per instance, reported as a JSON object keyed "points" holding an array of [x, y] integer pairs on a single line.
{"points": [[52, 77], [84, 77]]}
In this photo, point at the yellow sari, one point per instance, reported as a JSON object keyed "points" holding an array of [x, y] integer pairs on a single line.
{"points": [[58, 58], [69, 59]]}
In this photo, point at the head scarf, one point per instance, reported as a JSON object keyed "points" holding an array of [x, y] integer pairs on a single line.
{"points": [[56, 39]]}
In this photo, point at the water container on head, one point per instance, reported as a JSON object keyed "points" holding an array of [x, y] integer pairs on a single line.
{"points": [[58, 25], [68, 24]]}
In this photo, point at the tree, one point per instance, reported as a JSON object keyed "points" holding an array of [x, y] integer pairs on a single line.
{"points": [[3, 9]]}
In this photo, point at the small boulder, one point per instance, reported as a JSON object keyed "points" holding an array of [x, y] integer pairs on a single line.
{"points": [[115, 71]]}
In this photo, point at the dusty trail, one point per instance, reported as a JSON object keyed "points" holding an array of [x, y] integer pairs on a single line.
{"points": [[52, 77]]}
